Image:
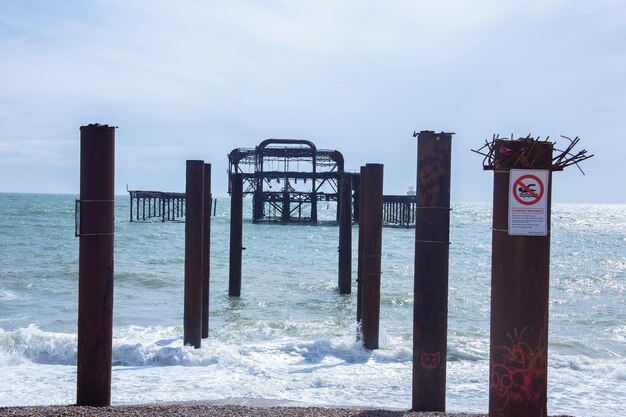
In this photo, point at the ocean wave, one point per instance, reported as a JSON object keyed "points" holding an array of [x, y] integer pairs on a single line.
{"points": [[467, 350], [35, 345], [6, 295], [347, 350], [156, 346], [150, 280], [618, 332], [608, 368], [132, 346], [619, 373]]}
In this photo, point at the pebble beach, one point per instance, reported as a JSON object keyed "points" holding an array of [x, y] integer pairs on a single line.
{"points": [[221, 410]]}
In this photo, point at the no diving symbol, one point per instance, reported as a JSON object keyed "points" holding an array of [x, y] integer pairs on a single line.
{"points": [[528, 189]]}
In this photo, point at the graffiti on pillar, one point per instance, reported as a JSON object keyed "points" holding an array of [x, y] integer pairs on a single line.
{"points": [[430, 360], [520, 374]]}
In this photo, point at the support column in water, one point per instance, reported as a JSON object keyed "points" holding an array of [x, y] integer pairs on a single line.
{"points": [[430, 310], [95, 265], [372, 207], [345, 234], [206, 251], [236, 238], [194, 224], [518, 359]]}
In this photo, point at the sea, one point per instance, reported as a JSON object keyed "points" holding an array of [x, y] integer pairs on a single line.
{"points": [[291, 337]]}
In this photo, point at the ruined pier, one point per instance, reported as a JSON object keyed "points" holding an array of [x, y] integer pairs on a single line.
{"points": [[156, 205], [287, 178]]}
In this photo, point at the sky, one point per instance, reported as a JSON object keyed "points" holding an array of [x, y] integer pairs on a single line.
{"points": [[194, 79]]}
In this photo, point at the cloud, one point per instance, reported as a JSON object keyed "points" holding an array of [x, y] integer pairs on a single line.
{"points": [[39, 153], [144, 154], [194, 79]]}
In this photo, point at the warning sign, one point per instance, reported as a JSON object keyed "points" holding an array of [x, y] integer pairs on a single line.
{"points": [[528, 214]]}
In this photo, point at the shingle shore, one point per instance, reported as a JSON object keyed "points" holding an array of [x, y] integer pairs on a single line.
{"points": [[197, 410], [206, 409]]}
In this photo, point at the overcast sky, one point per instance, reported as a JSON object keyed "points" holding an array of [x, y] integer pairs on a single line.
{"points": [[195, 79]]}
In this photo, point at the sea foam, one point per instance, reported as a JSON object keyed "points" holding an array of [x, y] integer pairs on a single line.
{"points": [[35, 345]]}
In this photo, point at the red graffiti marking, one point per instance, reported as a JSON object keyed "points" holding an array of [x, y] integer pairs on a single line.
{"points": [[521, 377], [430, 360], [520, 385]]}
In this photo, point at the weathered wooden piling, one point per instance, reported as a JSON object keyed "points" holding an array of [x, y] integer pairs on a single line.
{"points": [[95, 265], [372, 210], [345, 234], [206, 251], [236, 231], [194, 225], [519, 284], [430, 310]]}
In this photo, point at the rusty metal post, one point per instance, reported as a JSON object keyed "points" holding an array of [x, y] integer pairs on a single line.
{"points": [[372, 208], [345, 234], [236, 240], [286, 207], [356, 197], [95, 265], [430, 310], [519, 298], [194, 195], [362, 190], [206, 251]]}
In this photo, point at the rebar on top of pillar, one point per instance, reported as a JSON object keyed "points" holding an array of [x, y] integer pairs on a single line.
{"points": [[194, 225], [95, 265], [430, 310]]}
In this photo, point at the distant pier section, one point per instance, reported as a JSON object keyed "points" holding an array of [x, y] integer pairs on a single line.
{"points": [[149, 206], [399, 210], [287, 178]]}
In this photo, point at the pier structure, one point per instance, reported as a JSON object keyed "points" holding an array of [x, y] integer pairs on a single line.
{"points": [[399, 210], [156, 205], [287, 178]]}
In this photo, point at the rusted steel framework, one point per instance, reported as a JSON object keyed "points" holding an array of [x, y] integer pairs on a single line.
{"points": [[156, 205], [399, 210], [287, 178], [522, 154]]}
